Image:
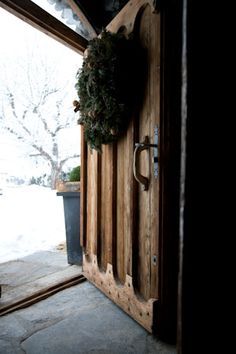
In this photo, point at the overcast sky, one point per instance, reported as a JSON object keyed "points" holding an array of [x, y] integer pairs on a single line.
{"points": [[15, 37]]}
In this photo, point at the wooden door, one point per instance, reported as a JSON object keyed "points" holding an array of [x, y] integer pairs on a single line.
{"points": [[120, 220]]}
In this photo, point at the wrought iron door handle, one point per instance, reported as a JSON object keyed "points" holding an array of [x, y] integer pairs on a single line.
{"points": [[139, 147]]}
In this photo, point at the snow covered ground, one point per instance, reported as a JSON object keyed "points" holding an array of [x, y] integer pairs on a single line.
{"points": [[31, 219]]}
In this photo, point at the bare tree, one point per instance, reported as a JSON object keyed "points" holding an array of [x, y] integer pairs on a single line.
{"points": [[36, 108]]}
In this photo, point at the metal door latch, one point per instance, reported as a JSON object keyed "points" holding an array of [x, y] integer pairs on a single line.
{"points": [[140, 147]]}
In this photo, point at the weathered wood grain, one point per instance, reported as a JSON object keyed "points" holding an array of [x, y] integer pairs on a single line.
{"points": [[123, 295], [154, 122], [128, 15], [122, 219], [29, 297]]}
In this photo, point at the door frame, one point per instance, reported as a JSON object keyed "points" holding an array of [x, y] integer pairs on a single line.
{"points": [[171, 91], [40, 19]]}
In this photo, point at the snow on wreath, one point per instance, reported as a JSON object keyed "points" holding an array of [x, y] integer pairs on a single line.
{"points": [[107, 87]]}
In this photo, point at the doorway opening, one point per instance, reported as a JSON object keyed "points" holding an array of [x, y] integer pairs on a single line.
{"points": [[39, 147], [40, 138]]}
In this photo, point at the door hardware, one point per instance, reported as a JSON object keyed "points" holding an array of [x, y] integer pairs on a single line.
{"points": [[139, 147]]}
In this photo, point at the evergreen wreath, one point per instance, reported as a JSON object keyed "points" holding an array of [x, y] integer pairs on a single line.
{"points": [[107, 87]]}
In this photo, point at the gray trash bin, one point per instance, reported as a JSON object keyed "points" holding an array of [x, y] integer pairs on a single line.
{"points": [[71, 202]]}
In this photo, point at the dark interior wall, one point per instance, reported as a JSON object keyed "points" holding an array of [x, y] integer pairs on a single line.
{"points": [[193, 228], [199, 315], [171, 38]]}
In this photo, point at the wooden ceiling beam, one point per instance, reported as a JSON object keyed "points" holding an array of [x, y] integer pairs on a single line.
{"points": [[86, 23], [34, 15]]}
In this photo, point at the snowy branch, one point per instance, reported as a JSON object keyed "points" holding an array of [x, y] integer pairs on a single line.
{"points": [[35, 109], [62, 162]]}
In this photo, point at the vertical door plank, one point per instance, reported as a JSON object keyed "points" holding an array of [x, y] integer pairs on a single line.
{"points": [[144, 278], [83, 190], [108, 200], [89, 204], [112, 217], [121, 155], [154, 60], [93, 201], [125, 205], [129, 194], [102, 260]]}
